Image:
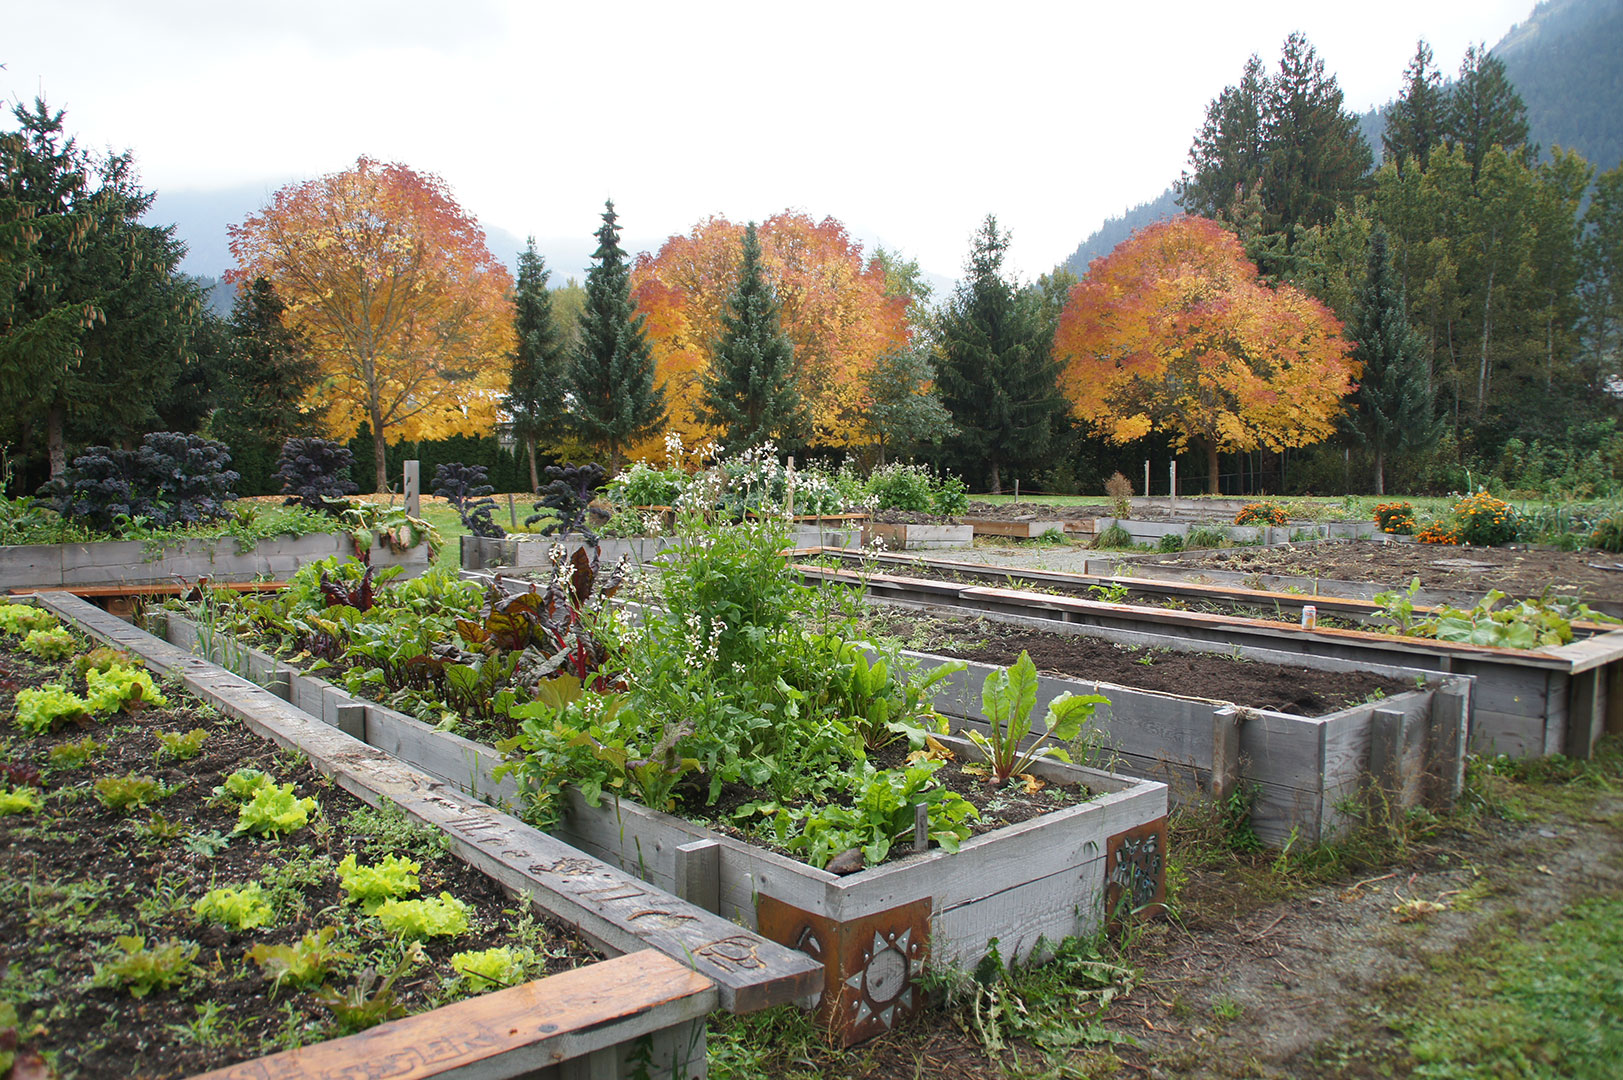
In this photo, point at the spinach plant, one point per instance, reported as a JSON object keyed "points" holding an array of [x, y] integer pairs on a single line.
{"points": [[1007, 698]]}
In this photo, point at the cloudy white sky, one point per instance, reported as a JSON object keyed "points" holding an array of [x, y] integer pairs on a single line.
{"points": [[907, 121]]}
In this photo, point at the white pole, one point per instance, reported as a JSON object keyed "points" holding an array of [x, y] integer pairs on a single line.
{"points": [[1146, 478], [1172, 497], [413, 489]]}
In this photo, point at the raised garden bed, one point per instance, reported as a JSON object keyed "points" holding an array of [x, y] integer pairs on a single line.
{"points": [[522, 552], [122, 955], [142, 562], [917, 536], [1448, 574], [1044, 878], [1526, 702]]}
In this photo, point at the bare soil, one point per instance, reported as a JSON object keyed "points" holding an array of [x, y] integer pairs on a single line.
{"points": [[1037, 511], [76, 874], [1590, 575], [1301, 690]]}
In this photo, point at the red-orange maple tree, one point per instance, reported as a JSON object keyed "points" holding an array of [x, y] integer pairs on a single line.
{"points": [[832, 305], [392, 285], [1172, 332]]}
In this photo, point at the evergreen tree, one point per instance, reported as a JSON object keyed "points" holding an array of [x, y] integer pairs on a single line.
{"points": [[536, 390], [1602, 290], [998, 375], [1415, 122], [1229, 152], [268, 373], [749, 387], [1392, 407], [1485, 111], [612, 372], [1317, 157], [905, 410], [102, 324]]}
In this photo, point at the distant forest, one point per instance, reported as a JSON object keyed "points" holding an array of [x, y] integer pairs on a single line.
{"points": [[1566, 61]]}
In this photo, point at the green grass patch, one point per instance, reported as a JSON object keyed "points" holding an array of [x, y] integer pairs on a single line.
{"points": [[1547, 1005]]}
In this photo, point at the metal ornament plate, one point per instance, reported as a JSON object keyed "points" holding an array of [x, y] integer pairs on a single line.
{"points": [[871, 965], [1136, 872]]}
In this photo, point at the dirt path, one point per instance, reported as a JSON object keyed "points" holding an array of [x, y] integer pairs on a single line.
{"points": [[1303, 988]]}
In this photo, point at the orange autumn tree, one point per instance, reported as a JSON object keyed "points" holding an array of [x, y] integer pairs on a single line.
{"points": [[392, 286], [832, 305], [1172, 332]]}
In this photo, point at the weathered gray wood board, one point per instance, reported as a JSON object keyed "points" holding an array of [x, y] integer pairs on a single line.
{"points": [[134, 563], [584, 1023], [917, 537], [608, 905]]}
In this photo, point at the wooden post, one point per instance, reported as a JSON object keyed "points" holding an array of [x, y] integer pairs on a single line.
{"points": [[921, 827], [280, 683], [413, 489], [1225, 750], [1586, 717], [512, 511], [1146, 478], [1172, 489], [1445, 745], [1387, 735], [698, 874], [1017, 490], [351, 720]]}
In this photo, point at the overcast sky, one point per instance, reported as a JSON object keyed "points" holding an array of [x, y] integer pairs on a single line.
{"points": [[907, 121]]}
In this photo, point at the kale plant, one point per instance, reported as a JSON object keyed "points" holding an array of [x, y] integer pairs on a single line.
{"points": [[315, 474], [568, 497], [173, 479], [467, 489]]}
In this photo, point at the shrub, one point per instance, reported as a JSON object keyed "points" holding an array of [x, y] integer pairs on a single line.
{"points": [[1260, 513], [1438, 532], [1484, 520], [1119, 490], [902, 487], [314, 473], [172, 479], [1608, 534], [1170, 544], [951, 496], [467, 489], [644, 485], [1396, 518]]}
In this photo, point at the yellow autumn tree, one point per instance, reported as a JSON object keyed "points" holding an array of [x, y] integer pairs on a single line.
{"points": [[832, 305], [393, 287]]}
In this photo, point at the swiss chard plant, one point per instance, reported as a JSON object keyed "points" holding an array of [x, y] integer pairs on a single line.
{"points": [[1008, 697]]}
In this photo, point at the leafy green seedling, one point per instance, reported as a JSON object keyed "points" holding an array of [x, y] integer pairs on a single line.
{"points": [[489, 968], [241, 909], [48, 708], [128, 792], [158, 827], [369, 1002], [143, 970], [74, 754], [445, 916], [242, 785], [274, 809], [181, 747], [23, 800], [370, 886], [121, 688], [54, 644], [101, 658], [1007, 698], [19, 619], [303, 965], [206, 845]]}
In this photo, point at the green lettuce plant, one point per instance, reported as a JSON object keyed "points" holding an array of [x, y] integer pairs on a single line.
{"points": [[242, 785], [142, 970], [275, 810], [302, 965], [181, 746], [371, 886], [488, 968], [19, 619], [23, 800], [241, 909], [55, 644], [48, 708], [121, 688], [442, 916], [72, 755], [128, 792]]}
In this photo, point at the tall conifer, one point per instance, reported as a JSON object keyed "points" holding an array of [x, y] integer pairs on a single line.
{"points": [[749, 388], [998, 375], [612, 370], [1415, 122], [1393, 402], [1484, 111], [536, 388]]}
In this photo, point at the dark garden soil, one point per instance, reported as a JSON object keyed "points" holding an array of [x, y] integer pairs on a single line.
{"points": [[1301, 690], [911, 517], [1590, 575], [75, 875], [1037, 511]]}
